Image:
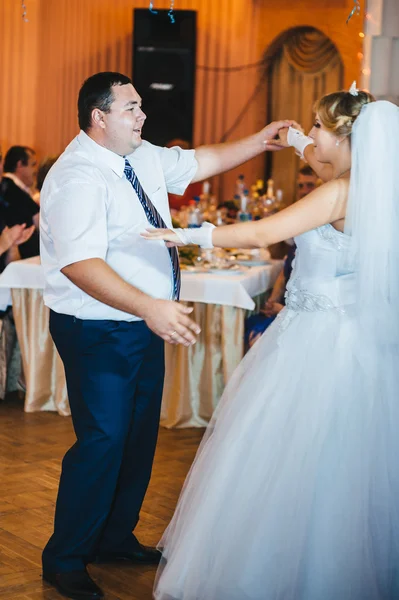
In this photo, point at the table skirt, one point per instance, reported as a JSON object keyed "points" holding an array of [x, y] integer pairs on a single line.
{"points": [[195, 376]]}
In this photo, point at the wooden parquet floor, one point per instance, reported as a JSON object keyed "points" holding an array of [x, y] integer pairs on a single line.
{"points": [[31, 449]]}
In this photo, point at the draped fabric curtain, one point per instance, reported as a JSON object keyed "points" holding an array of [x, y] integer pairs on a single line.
{"points": [[306, 66]]}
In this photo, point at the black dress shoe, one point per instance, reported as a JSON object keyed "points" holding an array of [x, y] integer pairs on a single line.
{"points": [[145, 555], [74, 584]]}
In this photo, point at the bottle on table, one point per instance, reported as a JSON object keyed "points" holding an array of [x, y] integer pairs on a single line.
{"points": [[243, 213], [208, 203], [183, 216], [219, 218], [240, 186], [194, 217], [205, 197], [237, 200], [256, 208], [260, 187], [254, 193], [279, 199], [269, 199], [206, 191], [211, 212]]}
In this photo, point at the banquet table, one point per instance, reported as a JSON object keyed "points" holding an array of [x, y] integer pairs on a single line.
{"points": [[195, 376]]}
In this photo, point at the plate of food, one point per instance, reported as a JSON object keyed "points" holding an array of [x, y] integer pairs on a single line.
{"points": [[192, 270], [250, 262], [225, 271]]}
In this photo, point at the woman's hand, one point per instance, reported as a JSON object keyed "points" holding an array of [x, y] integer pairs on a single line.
{"points": [[24, 235], [282, 141], [272, 308], [13, 236], [167, 235], [253, 338], [296, 125], [270, 132]]}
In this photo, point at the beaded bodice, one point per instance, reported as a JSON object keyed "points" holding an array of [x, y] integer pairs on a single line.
{"points": [[323, 277]]}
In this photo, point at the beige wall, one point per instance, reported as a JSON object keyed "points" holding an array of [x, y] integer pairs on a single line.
{"points": [[43, 62]]}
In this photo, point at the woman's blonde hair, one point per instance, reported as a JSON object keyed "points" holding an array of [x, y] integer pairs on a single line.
{"points": [[339, 111]]}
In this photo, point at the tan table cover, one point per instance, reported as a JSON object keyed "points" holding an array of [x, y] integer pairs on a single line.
{"points": [[195, 377], [43, 368]]}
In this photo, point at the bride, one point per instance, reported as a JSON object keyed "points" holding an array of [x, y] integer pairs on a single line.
{"points": [[294, 493]]}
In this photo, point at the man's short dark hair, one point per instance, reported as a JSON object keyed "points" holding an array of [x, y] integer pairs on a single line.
{"points": [[307, 170], [96, 92], [43, 169], [16, 154]]}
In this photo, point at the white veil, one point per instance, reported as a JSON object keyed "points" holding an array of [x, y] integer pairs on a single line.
{"points": [[373, 223]]}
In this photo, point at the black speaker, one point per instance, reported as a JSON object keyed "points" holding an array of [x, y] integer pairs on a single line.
{"points": [[164, 72]]}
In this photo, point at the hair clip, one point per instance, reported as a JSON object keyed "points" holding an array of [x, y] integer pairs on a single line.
{"points": [[353, 89]]}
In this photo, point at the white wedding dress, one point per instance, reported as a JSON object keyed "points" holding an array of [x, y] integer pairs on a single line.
{"points": [[294, 493]]}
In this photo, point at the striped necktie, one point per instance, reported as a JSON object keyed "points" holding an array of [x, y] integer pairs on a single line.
{"points": [[155, 219]]}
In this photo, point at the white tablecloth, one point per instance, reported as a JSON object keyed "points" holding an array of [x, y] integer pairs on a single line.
{"points": [[224, 289], [25, 274]]}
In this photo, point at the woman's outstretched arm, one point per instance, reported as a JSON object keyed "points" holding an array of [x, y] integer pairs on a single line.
{"points": [[327, 204]]}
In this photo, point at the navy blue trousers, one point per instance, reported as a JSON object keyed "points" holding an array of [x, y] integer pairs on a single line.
{"points": [[114, 372]]}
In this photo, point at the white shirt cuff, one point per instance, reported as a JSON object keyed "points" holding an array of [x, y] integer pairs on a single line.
{"points": [[198, 236]]}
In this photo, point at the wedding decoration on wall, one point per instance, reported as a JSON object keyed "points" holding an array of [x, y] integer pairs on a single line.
{"points": [[170, 13], [23, 6], [355, 10]]}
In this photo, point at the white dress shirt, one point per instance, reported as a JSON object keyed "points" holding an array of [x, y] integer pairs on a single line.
{"points": [[90, 210]]}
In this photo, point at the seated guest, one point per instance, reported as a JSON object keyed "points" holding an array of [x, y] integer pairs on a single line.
{"points": [[14, 236], [17, 206], [257, 324], [10, 237], [10, 356], [42, 171]]}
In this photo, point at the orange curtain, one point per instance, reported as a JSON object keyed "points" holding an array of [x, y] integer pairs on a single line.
{"points": [[306, 67], [44, 62]]}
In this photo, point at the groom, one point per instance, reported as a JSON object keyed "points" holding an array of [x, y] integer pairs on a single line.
{"points": [[113, 303]]}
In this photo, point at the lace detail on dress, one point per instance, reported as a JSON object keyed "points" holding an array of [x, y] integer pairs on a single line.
{"points": [[328, 233], [298, 299], [346, 260], [284, 318], [311, 293]]}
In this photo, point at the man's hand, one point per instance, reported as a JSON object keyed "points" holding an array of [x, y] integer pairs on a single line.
{"points": [[296, 125], [169, 320], [273, 130], [13, 236], [272, 308], [282, 140], [219, 158]]}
